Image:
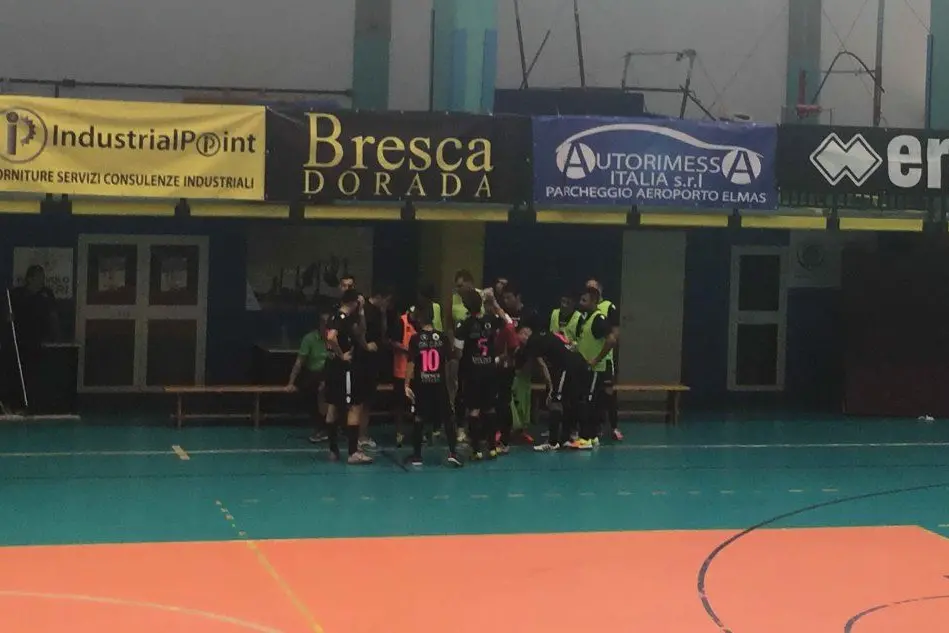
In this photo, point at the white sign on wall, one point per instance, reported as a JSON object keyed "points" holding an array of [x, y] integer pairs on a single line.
{"points": [[56, 262], [816, 257]]}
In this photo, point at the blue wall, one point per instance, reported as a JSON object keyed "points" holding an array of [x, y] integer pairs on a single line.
{"points": [[548, 259], [813, 362], [545, 259], [232, 330]]}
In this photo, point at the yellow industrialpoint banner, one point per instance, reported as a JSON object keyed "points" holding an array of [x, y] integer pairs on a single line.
{"points": [[135, 149]]}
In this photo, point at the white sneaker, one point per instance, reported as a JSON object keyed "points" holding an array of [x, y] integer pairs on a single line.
{"points": [[358, 459], [547, 447], [367, 444]]}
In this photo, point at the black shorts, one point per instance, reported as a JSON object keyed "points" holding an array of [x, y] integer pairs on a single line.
{"points": [[345, 387], [481, 389], [592, 386], [608, 375], [367, 370], [431, 404], [559, 378], [568, 384]]}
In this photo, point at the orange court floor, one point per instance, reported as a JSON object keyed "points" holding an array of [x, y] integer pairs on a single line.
{"points": [[739, 526]]}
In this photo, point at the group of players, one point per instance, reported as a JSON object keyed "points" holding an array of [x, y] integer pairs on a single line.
{"points": [[458, 377]]}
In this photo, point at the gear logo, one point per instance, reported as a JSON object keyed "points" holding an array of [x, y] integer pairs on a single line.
{"points": [[23, 135]]}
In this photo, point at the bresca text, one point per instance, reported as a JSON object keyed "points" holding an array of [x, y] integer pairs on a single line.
{"points": [[372, 161]]}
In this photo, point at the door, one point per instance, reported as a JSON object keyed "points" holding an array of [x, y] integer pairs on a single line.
{"points": [[651, 315], [758, 297], [141, 314]]}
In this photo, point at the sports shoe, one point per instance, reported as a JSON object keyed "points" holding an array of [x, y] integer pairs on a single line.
{"points": [[454, 462], [503, 449], [318, 438], [399, 438], [367, 443], [547, 447], [477, 456], [580, 444], [358, 459], [462, 437], [617, 435], [493, 453], [595, 442], [415, 460]]}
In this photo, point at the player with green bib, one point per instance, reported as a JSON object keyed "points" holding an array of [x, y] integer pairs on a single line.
{"points": [[595, 341]]}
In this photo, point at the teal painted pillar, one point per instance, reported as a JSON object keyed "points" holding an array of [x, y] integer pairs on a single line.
{"points": [[937, 89], [465, 55], [371, 43], [804, 62]]}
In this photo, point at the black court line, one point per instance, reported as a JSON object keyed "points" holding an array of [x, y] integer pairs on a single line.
{"points": [[707, 563], [880, 607]]}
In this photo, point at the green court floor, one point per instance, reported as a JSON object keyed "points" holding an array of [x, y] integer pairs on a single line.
{"points": [[122, 480]]}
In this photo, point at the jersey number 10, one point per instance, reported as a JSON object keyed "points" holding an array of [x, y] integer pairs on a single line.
{"points": [[431, 361]]}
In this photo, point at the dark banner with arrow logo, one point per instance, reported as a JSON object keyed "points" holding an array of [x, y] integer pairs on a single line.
{"points": [[393, 156], [855, 160]]}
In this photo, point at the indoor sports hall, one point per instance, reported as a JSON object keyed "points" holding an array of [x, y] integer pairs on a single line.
{"points": [[226, 226]]}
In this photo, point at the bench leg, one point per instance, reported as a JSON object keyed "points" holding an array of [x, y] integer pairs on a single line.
{"points": [[179, 413], [672, 408], [256, 416]]}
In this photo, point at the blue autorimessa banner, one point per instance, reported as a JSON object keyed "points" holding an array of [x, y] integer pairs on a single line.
{"points": [[654, 162]]}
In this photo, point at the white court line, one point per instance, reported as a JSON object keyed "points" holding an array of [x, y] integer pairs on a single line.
{"points": [[88, 454], [617, 447], [207, 615], [180, 452]]}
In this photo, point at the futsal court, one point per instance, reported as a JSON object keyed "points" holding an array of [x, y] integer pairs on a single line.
{"points": [[747, 526]]}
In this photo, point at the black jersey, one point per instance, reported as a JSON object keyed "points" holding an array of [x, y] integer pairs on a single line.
{"points": [[477, 338], [528, 317], [428, 350], [555, 350], [344, 325]]}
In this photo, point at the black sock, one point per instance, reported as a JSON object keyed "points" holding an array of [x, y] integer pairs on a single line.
{"points": [[553, 426], [505, 423], [474, 432], [589, 421], [613, 410], [489, 423], [352, 434], [417, 433], [332, 431], [451, 434]]}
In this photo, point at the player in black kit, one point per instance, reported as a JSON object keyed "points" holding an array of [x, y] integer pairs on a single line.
{"points": [[426, 385], [566, 373], [475, 341], [345, 393]]}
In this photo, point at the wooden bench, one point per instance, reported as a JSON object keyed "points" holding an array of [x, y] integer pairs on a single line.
{"points": [[256, 391], [673, 398], [671, 412]]}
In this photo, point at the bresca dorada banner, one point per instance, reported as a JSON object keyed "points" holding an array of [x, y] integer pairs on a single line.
{"points": [[391, 156], [855, 160]]}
